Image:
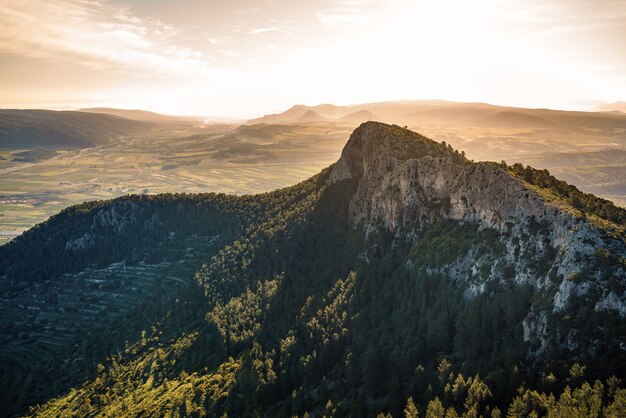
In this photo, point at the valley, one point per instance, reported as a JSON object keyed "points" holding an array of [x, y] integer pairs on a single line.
{"points": [[165, 155]]}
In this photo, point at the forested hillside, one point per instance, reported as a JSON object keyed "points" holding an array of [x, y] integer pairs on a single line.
{"points": [[402, 280]]}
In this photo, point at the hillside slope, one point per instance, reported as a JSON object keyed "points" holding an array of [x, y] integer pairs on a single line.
{"points": [[23, 129], [403, 276], [138, 115]]}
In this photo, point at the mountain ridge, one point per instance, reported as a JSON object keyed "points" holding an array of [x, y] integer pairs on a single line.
{"points": [[57, 129], [397, 188], [139, 115], [457, 114]]}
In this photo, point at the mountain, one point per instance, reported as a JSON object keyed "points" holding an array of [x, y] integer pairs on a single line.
{"points": [[330, 110], [403, 278], [23, 129], [515, 119], [359, 116], [287, 116], [299, 114], [612, 107], [310, 116], [452, 114], [138, 115], [494, 133]]}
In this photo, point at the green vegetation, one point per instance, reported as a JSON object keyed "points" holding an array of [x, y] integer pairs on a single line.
{"points": [[603, 213], [274, 305], [33, 155], [585, 202], [445, 244], [148, 379], [294, 324]]}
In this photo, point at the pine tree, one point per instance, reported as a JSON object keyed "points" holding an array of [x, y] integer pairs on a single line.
{"points": [[411, 410], [435, 409]]}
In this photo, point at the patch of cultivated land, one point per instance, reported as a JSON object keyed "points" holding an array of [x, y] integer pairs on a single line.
{"points": [[257, 159]]}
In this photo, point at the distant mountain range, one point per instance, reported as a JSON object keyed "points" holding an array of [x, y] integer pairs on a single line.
{"points": [[92, 126], [612, 107], [447, 114]]}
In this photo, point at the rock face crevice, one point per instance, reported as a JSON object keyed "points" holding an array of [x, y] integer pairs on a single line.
{"points": [[407, 182]]}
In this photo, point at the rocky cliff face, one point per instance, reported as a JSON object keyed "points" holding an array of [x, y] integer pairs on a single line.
{"points": [[116, 219], [407, 182]]}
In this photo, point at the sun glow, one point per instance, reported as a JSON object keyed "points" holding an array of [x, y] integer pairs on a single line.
{"points": [[259, 59]]}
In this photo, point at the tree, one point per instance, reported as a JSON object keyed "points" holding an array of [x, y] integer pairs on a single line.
{"points": [[410, 411], [476, 393], [435, 409], [443, 369]]}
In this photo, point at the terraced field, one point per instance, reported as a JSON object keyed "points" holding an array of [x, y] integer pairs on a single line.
{"points": [[62, 318]]}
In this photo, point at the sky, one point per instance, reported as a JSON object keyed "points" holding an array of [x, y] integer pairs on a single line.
{"points": [[244, 58]]}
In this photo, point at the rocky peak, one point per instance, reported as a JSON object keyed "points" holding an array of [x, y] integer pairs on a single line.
{"points": [[375, 149], [406, 183], [406, 179]]}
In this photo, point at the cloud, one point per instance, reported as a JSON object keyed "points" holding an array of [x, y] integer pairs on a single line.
{"points": [[511, 51], [605, 12], [251, 10], [95, 34], [347, 13], [267, 29], [341, 18]]}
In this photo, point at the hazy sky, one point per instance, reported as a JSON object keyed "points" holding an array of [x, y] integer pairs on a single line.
{"points": [[244, 58]]}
